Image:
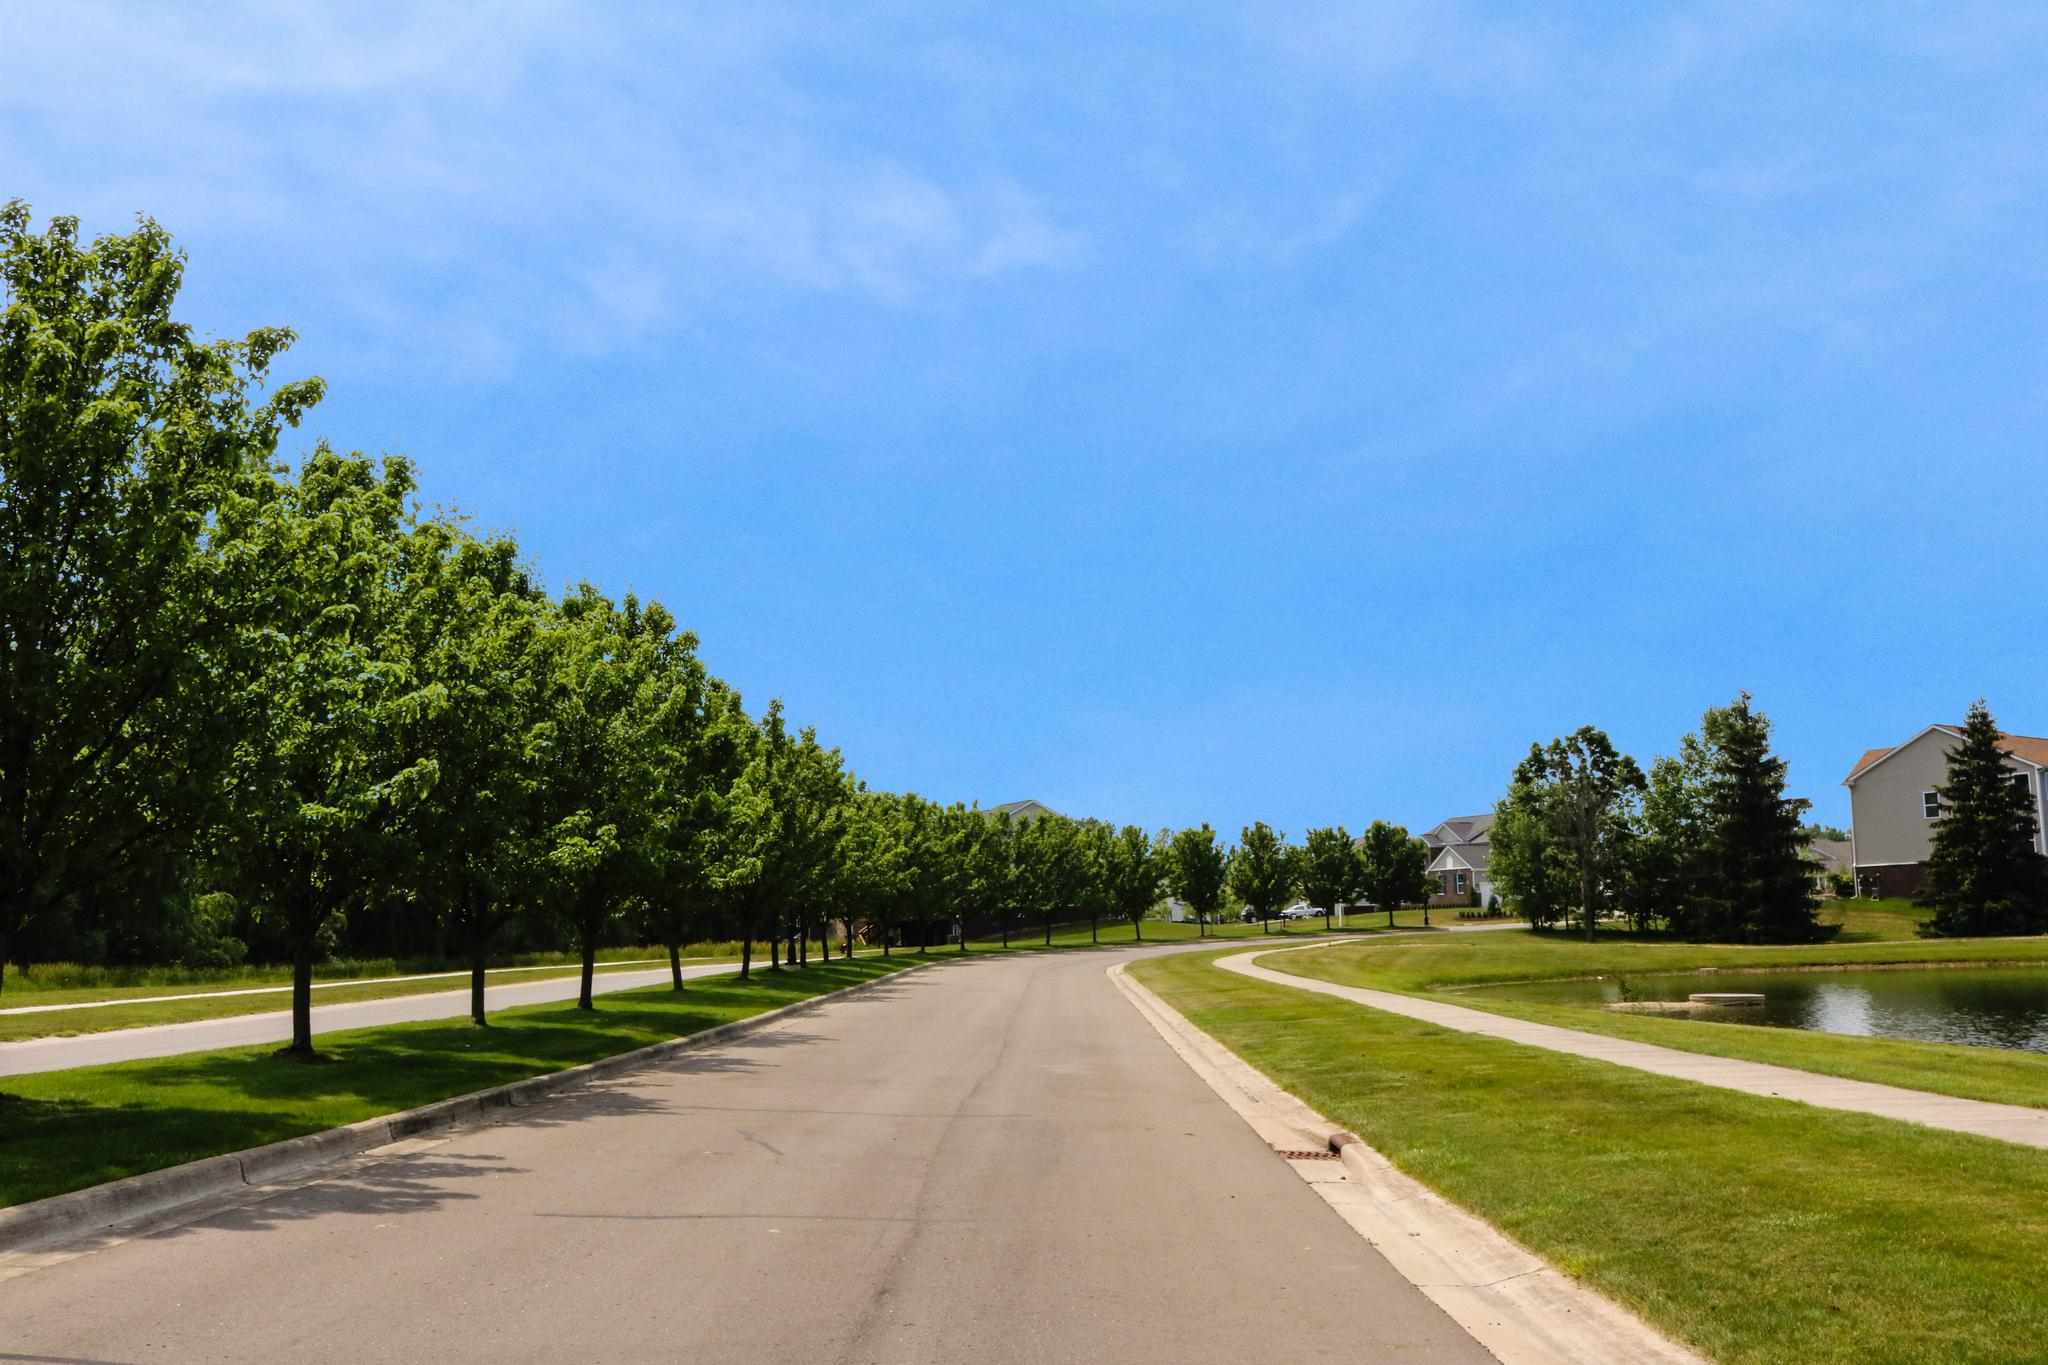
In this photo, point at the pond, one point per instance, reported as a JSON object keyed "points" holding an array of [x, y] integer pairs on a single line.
{"points": [[1982, 1006]]}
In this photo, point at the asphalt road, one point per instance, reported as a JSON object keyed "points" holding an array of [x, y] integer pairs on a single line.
{"points": [[986, 1161], [248, 1030]]}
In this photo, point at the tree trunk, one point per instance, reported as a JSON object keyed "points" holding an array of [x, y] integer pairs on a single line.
{"points": [[479, 941], [746, 951], [675, 964], [1390, 916], [1006, 930], [1048, 931], [302, 997], [963, 935], [1138, 930], [1094, 936], [924, 936], [583, 1000], [775, 949], [803, 947]]}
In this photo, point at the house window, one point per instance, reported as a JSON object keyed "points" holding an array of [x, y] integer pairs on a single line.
{"points": [[1930, 805], [2020, 780], [1461, 883]]}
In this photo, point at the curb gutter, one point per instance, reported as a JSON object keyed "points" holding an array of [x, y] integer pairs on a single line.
{"points": [[46, 1224]]}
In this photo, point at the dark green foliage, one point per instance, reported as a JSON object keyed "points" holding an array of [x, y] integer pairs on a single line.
{"points": [[1984, 876], [1330, 869], [123, 651], [1754, 885], [1393, 868], [1196, 869], [1262, 871], [1586, 791]]}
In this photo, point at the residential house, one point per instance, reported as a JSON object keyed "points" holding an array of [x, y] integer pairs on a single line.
{"points": [[1458, 850], [1828, 857], [1022, 810], [1894, 799]]}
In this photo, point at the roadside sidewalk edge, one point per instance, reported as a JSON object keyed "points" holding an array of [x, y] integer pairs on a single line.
{"points": [[1513, 1302]]}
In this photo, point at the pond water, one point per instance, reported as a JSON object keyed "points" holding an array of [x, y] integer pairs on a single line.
{"points": [[1983, 1006]]}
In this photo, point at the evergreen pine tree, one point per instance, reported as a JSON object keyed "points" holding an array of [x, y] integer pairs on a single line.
{"points": [[1984, 876], [1756, 886]]}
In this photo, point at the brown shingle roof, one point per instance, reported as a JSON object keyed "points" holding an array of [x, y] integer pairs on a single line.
{"points": [[2032, 748]]}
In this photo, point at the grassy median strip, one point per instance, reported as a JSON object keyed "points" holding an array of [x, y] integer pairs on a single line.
{"points": [[1758, 1230], [66, 1130], [67, 1023], [1426, 969]]}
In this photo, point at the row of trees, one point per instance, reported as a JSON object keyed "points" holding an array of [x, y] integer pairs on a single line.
{"points": [[246, 704], [1706, 845]]}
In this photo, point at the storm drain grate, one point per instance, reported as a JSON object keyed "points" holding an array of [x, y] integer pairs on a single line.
{"points": [[1306, 1156]]}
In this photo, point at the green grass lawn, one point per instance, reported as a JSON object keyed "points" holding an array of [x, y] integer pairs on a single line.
{"points": [[1758, 1230], [1433, 967], [1867, 921], [105, 1018], [65, 1130]]}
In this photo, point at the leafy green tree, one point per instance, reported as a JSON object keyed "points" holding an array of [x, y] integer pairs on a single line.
{"points": [[1262, 871], [700, 758], [123, 648], [477, 652], [1589, 791], [1097, 888], [1052, 864], [1534, 878], [1197, 870], [1330, 869], [1984, 876], [1393, 868], [1134, 871], [626, 691], [1755, 884], [868, 874], [1668, 856], [316, 775]]}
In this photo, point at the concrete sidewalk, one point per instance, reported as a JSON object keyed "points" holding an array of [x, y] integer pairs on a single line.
{"points": [[2007, 1122]]}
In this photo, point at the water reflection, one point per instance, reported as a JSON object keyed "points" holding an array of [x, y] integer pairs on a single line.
{"points": [[1988, 1007]]}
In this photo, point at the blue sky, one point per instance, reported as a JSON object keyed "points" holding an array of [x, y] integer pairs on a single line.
{"points": [[1168, 412]]}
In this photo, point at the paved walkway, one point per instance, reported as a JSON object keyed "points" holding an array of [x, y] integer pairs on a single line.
{"points": [[248, 1030], [2008, 1122], [995, 1161]]}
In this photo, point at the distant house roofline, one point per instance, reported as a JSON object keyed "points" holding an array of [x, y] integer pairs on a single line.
{"points": [[2029, 749]]}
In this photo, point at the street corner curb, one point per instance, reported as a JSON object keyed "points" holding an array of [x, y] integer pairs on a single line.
{"points": [[49, 1224]]}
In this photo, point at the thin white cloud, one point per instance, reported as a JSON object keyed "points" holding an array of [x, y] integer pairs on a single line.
{"points": [[525, 169]]}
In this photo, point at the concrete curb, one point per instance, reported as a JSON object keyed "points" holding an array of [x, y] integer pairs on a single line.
{"points": [[1512, 1301], [45, 1224]]}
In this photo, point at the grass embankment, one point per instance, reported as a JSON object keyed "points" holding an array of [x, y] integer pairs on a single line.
{"points": [[1868, 921], [65, 1130], [1457, 968], [1758, 1230]]}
